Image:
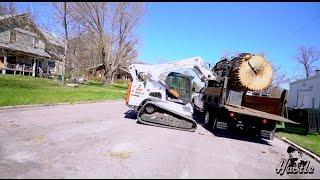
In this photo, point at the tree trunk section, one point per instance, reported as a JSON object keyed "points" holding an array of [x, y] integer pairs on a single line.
{"points": [[66, 43], [108, 78], [108, 81], [248, 72]]}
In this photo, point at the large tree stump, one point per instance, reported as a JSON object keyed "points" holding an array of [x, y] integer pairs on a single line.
{"points": [[251, 73], [247, 72]]}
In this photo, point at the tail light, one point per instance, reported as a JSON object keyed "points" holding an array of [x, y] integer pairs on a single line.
{"points": [[128, 92], [232, 114], [264, 121]]}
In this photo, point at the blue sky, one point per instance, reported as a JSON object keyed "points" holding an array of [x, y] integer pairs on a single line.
{"points": [[178, 30]]}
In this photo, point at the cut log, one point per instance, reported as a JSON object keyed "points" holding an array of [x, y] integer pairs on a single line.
{"points": [[247, 72]]}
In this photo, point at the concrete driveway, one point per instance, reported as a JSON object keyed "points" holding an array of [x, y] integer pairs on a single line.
{"points": [[99, 140]]}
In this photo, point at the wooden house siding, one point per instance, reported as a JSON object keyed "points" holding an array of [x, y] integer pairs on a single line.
{"points": [[5, 36], [305, 93], [24, 39], [23, 47]]}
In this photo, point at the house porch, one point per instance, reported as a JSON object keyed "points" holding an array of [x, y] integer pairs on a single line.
{"points": [[15, 62]]}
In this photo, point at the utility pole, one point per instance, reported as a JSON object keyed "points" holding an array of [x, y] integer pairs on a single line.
{"points": [[65, 41]]}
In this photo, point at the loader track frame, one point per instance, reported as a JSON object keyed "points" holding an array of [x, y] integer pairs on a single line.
{"points": [[165, 118]]}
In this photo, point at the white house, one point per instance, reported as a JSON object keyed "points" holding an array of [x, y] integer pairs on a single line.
{"points": [[305, 93]]}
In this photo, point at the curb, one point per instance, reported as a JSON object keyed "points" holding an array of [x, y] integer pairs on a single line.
{"points": [[54, 104], [312, 155]]}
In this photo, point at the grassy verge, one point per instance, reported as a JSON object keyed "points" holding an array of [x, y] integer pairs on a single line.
{"points": [[22, 90], [309, 141]]}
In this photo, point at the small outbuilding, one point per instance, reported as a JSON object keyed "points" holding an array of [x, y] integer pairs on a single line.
{"points": [[305, 93]]}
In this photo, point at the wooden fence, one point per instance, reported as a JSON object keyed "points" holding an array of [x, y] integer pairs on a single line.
{"points": [[309, 120]]}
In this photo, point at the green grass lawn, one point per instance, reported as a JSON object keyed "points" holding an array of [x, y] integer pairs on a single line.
{"points": [[310, 141], [21, 90]]}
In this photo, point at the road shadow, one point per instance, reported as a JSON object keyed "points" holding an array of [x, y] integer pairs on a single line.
{"points": [[240, 136], [198, 117], [130, 114]]}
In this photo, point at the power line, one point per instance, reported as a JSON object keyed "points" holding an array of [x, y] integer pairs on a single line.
{"points": [[277, 46], [303, 27]]}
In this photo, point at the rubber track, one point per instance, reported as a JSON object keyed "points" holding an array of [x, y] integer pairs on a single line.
{"points": [[166, 121]]}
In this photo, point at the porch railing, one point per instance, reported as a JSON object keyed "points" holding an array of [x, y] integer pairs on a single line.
{"points": [[40, 71], [51, 70], [19, 67]]}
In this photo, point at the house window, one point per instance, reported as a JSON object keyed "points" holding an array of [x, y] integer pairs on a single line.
{"points": [[303, 84], [13, 37]]}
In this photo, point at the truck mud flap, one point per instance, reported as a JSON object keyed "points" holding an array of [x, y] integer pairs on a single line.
{"points": [[267, 134], [221, 125]]}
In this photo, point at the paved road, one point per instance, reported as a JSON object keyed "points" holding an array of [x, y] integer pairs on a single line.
{"points": [[99, 140]]}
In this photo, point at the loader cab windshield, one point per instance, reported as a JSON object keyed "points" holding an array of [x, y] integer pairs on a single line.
{"points": [[180, 83]]}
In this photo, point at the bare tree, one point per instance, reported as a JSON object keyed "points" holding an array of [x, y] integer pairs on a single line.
{"points": [[14, 19], [307, 57], [229, 54], [111, 26], [63, 16], [66, 39], [135, 61], [279, 77], [7, 8], [81, 55]]}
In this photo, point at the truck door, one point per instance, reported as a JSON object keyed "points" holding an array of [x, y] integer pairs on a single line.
{"points": [[198, 99]]}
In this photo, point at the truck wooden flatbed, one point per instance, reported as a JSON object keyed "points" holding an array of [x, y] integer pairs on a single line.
{"points": [[233, 110], [256, 113]]}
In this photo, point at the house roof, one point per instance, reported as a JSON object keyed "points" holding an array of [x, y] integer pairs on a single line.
{"points": [[55, 55], [95, 66], [25, 49], [99, 65], [53, 39], [306, 79], [2, 17], [26, 32], [124, 68]]}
